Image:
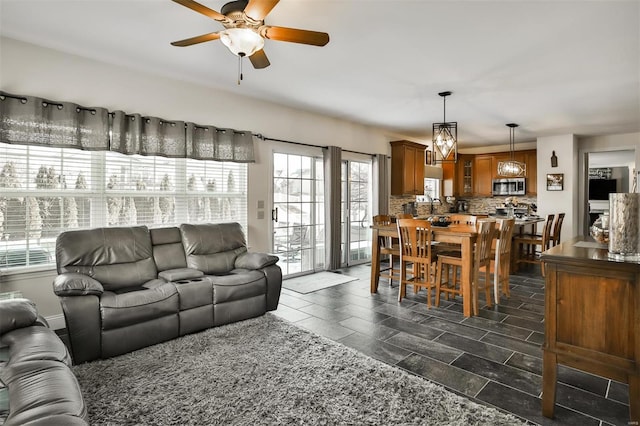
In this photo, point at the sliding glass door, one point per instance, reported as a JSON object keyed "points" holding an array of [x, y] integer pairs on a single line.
{"points": [[356, 212], [298, 213]]}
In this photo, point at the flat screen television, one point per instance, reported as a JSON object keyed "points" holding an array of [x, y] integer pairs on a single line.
{"points": [[599, 189]]}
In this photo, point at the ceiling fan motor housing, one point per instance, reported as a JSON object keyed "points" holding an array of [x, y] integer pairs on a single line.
{"points": [[234, 6]]}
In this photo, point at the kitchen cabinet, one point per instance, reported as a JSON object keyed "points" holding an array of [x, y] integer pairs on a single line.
{"points": [[407, 168], [483, 166], [449, 179], [528, 157], [464, 175], [497, 158], [531, 160]]}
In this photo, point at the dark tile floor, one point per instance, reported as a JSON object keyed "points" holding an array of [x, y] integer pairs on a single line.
{"points": [[494, 358]]}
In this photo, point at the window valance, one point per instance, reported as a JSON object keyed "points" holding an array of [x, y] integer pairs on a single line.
{"points": [[30, 120]]}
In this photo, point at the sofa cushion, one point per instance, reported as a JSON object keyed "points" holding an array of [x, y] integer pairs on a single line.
{"points": [[213, 248], [154, 299], [16, 313], [168, 251], [116, 257], [239, 284], [34, 343], [39, 389]]}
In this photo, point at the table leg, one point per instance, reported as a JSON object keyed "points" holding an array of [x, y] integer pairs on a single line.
{"points": [[549, 377], [465, 278], [375, 260]]}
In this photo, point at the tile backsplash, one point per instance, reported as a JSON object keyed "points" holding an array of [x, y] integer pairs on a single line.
{"points": [[476, 205]]}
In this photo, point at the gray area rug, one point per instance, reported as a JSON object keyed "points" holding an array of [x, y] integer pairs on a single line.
{"points": [[266, 371], [313, 282]]}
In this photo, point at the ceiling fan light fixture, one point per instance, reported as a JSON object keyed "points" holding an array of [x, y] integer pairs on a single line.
{"points": [[242, 41], [445, 134], [511, 168]]}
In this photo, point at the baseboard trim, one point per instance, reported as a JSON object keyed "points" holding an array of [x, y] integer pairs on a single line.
{"points": [[56, 322]]}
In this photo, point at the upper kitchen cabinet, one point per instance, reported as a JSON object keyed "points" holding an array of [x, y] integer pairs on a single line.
{"points": [[483, 173], [464, 175], [407, 168], [531, 160], [449, 179]]}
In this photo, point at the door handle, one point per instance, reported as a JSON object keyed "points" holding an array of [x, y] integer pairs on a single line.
{"points": [[274, 214]]}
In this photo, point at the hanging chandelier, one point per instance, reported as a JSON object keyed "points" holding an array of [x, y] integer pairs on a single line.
{"points": [[511, 168], [445, 134]]}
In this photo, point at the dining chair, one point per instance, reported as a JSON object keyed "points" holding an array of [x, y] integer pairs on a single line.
{"points": [[530, 246], [463, 219], [404, 216], [388, 247], [485, 229], [557, 228], [502, 258], [416, 248]]}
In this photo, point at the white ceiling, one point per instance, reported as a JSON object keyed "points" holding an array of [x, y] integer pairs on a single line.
{"points": [[554, 67]]}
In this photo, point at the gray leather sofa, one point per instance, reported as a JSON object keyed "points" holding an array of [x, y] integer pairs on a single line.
{"points": [[122, 289], [38, 387]]}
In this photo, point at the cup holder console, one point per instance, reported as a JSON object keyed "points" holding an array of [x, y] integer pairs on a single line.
{"points": [[192, 280]]}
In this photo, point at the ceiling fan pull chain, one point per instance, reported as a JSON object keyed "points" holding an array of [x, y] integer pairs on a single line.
{"points": [[239, 69]]}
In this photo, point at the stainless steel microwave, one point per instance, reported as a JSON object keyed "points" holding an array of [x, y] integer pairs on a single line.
{"points": [[513, 186]]}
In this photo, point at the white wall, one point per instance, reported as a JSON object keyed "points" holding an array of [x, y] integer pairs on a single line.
{"points": [[31, 70], [563, 201]]}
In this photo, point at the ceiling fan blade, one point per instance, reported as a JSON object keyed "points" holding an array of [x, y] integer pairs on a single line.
{"points": [[202, 9], [258, 9], [195, 40], [259, 59], [294, 35]]}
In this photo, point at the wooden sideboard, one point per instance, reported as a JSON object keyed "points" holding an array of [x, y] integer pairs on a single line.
{"points": [[592, 318]]}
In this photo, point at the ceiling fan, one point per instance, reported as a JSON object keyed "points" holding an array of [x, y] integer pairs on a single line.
{"points": [[245, 29]]}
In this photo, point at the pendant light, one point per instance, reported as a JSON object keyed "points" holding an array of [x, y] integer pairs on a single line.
{"points": [[445, 134], [511, 168]]}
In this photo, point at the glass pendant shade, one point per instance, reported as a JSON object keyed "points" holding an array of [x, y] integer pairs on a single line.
{"points": [[511, 168], [444, 140], [242, 41]]}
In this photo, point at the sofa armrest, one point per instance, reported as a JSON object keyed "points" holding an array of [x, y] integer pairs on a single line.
{"points": [[17, 313], [180, 274], [74, 284], [255, 260]]}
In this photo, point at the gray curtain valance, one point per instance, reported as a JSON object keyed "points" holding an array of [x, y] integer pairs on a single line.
{"points": [[134, 134], [208, 142], [30, 120]]}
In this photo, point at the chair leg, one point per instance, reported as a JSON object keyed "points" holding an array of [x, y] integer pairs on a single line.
{"points": [[438, 281], [447, 277], [487, 285], [403, 283], [497, 275], [474, 294], [506, 270]]}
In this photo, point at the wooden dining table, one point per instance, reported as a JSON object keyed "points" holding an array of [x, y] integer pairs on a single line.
{"points": [[464, 235]]}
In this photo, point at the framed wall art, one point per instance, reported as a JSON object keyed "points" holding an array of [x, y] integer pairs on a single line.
{"points": [[555, 181]]}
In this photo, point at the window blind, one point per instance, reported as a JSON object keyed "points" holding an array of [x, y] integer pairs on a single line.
{"points": [[46, 190]]}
